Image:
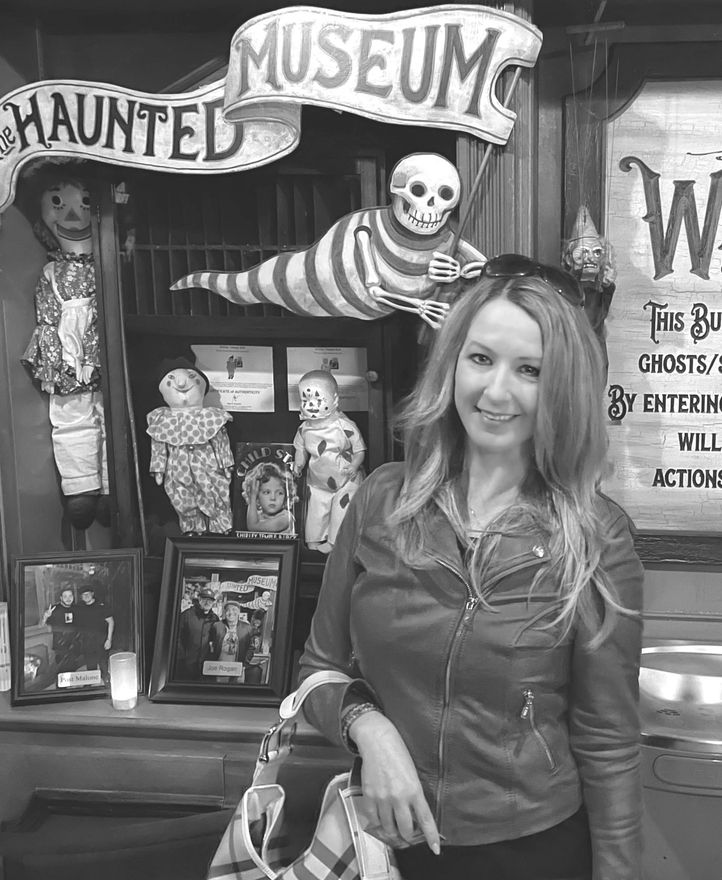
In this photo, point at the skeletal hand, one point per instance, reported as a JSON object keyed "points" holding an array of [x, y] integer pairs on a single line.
{"points": [[443, 269], [429, 310], [473, 269], [433, 312], [609, 275]]}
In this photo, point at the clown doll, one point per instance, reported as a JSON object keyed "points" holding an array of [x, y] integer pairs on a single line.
{"points": [[63, 353], [332, 446], [190, 450]]}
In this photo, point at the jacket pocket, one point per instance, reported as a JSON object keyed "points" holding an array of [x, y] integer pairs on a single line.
{"points": [[527, 715]]}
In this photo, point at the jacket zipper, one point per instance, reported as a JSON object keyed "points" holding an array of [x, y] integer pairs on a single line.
{"points": [[527, 713], [470, 605], [472, 601]]}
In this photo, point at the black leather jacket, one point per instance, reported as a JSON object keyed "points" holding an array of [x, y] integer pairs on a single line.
{"points": [[510, 732]]}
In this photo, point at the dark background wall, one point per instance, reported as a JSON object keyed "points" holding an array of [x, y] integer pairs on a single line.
{"points": [[148, 55]]}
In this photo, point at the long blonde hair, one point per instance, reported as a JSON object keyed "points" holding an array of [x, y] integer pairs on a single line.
{"points": [[568, 457]]}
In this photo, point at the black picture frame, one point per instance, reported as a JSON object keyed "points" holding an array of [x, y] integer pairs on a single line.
{"points": [[199, 659], [58, 645]]}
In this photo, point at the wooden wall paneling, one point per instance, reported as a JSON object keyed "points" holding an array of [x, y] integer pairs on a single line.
{"points": [[668, 548], [503, 215], [562, 72], [213, 256], [127, 517], [377, 453], [30, 482]]}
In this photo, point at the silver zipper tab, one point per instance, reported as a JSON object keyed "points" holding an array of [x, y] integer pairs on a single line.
{"points": [[527, 713], [528, 708], [471, 604]]}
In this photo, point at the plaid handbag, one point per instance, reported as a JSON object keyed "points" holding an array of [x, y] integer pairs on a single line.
{"points": [[253, 845]]}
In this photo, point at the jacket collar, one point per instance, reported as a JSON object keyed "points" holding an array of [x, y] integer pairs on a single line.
{"points": [[514, 549]]}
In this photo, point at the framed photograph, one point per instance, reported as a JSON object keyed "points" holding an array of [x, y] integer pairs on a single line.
{"points": [[70, 612], [224, 622], [266, 494]]}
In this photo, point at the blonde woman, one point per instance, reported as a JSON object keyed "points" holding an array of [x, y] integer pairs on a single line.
{"points": [[484, 596]]}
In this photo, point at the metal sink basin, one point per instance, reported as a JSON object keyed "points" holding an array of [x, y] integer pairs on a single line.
{"points": [[682, 674]]}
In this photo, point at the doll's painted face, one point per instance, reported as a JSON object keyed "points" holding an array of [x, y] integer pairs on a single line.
{"points": [[183, 389], [65, 209], [584, 256], [319, 395]]}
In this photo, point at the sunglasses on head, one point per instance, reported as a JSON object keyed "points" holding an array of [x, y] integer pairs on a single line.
{"points": [[519, 266]]}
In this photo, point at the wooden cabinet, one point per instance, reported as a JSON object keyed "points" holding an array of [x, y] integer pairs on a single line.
{"points": [[145, 793], [153, 228]]}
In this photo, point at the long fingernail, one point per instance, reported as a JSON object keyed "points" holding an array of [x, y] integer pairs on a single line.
{"points": [[435, 849]]}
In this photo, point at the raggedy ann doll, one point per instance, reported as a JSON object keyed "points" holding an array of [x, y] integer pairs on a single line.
{"points": [[63, 352], [332, 446], [190, 450]]}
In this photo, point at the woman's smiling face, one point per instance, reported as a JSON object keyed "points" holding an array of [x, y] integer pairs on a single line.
{"points": [[496, 383]]}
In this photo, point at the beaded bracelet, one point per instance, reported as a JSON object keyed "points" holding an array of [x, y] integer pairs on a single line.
{"points": [[350, 715]]}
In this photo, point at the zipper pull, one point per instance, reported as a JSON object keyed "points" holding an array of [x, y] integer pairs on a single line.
{"points": [[528, 708], [471, 604]]}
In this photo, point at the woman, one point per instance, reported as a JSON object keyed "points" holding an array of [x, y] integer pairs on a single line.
{"points": [[485, 597]]}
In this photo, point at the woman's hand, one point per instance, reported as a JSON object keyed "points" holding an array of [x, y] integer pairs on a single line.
{"points": [[398, 812]]}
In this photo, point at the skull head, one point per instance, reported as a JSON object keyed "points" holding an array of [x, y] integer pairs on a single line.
{"points": [[319, 394], [425, 189]]}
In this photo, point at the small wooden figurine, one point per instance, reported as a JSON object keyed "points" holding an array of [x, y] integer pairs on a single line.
{"points": [[590, 258]]}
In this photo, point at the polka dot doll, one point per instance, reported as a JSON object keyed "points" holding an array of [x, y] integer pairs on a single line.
{"points": [[332, 446], [190, 450]]}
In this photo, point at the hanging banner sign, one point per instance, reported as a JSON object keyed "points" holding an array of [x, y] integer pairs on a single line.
{"points": [[179, 132], [434, 67]]}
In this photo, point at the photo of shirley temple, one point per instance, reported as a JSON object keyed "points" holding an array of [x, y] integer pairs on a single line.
{"points": [[269, 493]]}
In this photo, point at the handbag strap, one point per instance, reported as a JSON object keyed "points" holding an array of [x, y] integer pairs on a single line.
{"points": [[291, 706], [277, 742]]}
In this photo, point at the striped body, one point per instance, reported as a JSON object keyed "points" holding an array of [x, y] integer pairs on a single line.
{"points": [[327, 279]]}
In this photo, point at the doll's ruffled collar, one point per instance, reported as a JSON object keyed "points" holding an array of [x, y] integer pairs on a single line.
{"points": [[184, 427]]}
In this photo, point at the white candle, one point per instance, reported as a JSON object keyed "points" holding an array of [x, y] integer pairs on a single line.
{"points": [[124, 680]]}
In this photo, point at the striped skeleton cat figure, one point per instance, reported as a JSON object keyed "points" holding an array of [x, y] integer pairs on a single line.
{"points": [[371, 261]]}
